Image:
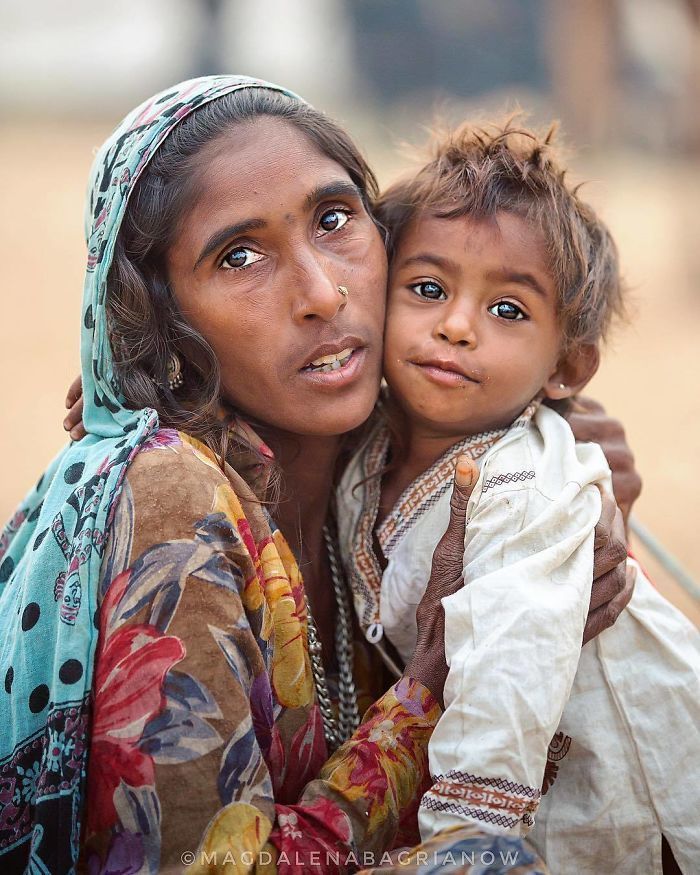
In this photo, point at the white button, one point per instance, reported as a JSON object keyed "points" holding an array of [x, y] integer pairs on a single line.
{"points": [[374, 633]]}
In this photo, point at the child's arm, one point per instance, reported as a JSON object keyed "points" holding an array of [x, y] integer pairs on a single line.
{"points": [[512, 640]]}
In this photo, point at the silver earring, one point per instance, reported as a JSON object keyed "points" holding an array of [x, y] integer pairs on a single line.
{"points": [[343, 291], [175, 378], [562, 386]]}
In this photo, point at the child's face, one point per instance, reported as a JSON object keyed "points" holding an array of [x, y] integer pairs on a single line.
{"points": [[472, 331]]}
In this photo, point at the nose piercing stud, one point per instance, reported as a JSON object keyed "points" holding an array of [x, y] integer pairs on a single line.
{"points": [[343, 291]]}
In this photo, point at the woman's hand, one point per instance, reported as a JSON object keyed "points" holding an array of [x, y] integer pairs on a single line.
{"points": [[73, 423], [590, 422], [613, 581], [427, 664]]}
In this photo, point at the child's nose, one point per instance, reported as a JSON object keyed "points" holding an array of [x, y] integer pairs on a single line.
{"points": [[458, 327]]}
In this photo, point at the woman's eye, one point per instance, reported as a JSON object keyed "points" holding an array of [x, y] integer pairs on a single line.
{"points": [[333, 220], [429, 290], [239, 257], [506, 310]]}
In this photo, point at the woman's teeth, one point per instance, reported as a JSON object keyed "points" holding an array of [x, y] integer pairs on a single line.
{"points": [[330, 362]]}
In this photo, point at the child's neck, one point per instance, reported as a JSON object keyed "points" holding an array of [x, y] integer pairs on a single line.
{"points": [[423, 448]]}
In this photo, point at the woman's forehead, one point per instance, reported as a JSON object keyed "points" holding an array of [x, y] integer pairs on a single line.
{"points": [[260, 149], [263, 166]]}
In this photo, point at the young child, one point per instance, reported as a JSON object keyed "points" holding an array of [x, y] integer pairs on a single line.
{"points": [[502, 285]]}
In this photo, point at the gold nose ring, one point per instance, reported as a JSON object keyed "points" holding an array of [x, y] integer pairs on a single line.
{"points": [[343, 291]]}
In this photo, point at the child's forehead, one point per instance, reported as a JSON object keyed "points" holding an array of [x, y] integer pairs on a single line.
{"points": [[496, 237]]}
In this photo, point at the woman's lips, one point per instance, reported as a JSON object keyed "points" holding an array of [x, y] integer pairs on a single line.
{"points": [[348, 372]]}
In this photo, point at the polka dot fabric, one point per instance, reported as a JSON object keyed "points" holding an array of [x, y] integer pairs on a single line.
{"points": [[51, 550]]}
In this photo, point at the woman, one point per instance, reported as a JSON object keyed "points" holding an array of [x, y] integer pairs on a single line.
{"points": [[153, 615]]}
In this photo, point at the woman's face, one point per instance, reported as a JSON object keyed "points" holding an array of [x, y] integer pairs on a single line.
{"points": [[274, 228]]}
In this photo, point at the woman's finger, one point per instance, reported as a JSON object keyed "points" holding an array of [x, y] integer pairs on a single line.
{"points": [[608, 586], [74, 418], [603, 617], [75, 391], [466, 475], [604, 526], [428, 663], [448, 557], [610, 541]]}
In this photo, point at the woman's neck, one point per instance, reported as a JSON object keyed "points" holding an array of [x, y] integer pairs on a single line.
{"points": [[308, 466]]}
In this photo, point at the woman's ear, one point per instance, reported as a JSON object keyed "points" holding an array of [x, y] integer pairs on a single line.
{"points": [[573, 371]]}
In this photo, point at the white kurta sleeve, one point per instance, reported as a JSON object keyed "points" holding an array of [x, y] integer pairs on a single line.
{"points": [[513, 641]]}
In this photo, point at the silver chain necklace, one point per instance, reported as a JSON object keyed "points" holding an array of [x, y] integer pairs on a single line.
{"points": [[335, 731]]}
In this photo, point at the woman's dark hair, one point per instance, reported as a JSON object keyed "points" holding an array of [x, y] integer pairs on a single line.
{"points": [[145, 324]]}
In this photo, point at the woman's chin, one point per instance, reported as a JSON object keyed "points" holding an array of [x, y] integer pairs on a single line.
{"points": [[339, 418]]}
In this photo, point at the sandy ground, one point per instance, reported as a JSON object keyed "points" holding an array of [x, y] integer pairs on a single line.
{"points": [[648, 378]]}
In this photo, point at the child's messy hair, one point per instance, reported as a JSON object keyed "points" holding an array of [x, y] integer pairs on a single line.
{"points": [[481, 171]]}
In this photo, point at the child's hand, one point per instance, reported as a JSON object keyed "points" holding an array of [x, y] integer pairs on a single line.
{"points": [[613, 581], [73, 423], [590, 422], [427, 664]]}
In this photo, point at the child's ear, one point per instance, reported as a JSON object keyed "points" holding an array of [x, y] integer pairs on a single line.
{"points": [[573, 371]]}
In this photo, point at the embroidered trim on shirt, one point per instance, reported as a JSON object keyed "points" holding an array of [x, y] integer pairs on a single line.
{"points": [[366, 577], [558, 749], [488, 816], [454, 775], [494, 799], [509, 477]]}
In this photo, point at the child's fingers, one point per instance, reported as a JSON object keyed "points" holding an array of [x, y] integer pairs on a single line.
{"points": [[75, 391]]}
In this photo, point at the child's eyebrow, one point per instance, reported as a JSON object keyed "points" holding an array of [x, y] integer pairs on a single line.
{"points": [[429, 258], [522, 279]]}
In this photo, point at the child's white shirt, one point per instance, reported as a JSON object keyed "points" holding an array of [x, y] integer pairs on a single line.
{"points": [[612, 730]]}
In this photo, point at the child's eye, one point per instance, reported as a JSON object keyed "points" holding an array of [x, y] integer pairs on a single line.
{"points": [[429, 290], [333, 220], [506, 310], [239, 257]]}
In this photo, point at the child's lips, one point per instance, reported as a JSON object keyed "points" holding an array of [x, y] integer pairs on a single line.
{"points": [[446, 372]]}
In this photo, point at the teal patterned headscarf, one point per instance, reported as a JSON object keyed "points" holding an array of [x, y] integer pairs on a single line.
{"points": [[51, 550]]}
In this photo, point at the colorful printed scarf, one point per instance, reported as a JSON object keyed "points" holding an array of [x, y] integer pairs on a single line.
{"points": [[51, 550]]}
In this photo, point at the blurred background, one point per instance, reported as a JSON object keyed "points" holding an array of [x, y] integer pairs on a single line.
{"points": [[622, 75]]}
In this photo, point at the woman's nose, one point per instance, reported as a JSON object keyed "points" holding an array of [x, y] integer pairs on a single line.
{"points": [[317, 294]]}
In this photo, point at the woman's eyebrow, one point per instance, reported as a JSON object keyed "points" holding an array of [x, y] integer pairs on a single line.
{"points": [[339, 188], [220, 237]]}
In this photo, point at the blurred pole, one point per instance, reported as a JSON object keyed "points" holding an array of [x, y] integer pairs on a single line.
{"points": [[210, 54], [581, 43], [667, 561], [692, 116]]}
